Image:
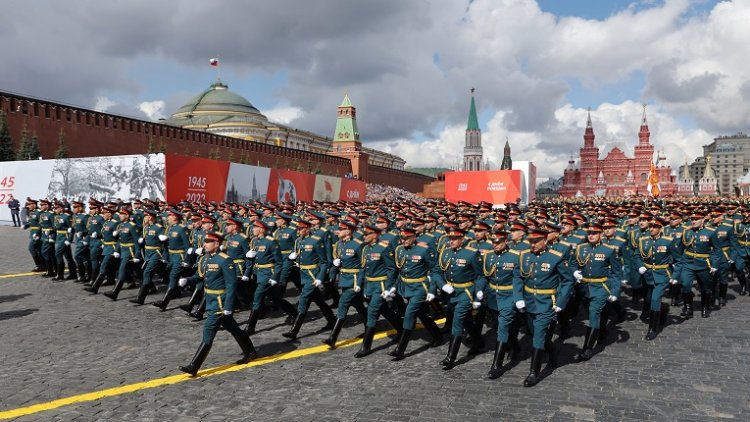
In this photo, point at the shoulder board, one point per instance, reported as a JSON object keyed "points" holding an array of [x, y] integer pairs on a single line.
{"points": [[621, 239], [515, 252], [610, 246], [357, 241], [469, 248], [726, 224], [562, 242], [670, 238], [243, 235], [578, 236], [223, 255], [422, 244], [643, 237], [713, 229], [554, 252], [158, 225], [270, 238], [323, 229], [525, 241], [429, 234], [315, 237], [383, 243]]}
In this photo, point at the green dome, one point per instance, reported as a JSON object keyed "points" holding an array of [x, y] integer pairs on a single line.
{"points": [[217, 98]]}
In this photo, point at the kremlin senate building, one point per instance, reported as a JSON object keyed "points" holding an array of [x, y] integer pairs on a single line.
{"points": [[616, 174]]}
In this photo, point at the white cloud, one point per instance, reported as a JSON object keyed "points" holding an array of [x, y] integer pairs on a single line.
{"points": [[103, 104], [284, 115], [153, 109]]}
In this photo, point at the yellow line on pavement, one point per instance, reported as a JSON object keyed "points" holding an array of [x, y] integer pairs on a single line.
{"points": [[18, 275], [175, 379]]}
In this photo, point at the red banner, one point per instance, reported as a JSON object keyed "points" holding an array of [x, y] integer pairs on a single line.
{"points": [[195, 179], [496, 187], [290, 186], [353, 190]]}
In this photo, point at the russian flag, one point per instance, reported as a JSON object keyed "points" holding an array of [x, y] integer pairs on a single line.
{"points": [[214, 62]]}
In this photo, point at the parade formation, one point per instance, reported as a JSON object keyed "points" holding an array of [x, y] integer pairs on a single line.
{"points": [[538, 269]]}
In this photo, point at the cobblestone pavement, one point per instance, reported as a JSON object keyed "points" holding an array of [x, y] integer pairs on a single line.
{"points": [[58, 342]]}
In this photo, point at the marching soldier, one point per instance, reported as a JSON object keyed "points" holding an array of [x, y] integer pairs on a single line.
{"points": [[63, 238], [727, 238], [218, 273], [47, 227], [82, 256], [153, 253], [541, 286], [700, 249], [94, 225], [35, 236], [177, 241], [108, 248], [128, 250]]}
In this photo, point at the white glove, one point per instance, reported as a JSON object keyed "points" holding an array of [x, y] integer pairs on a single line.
{"points": [[222, 248], [116, 254], [245, 278], [578, 275], [115, 233], [51, 240], [84, 243], [430, 297], [293, 256], [199, 251], [70, 230], [140, 240], [184, 264], [272, 282], [79, 235], [476, 305], [136, 260], [730, 262], [642, 270], [94, 235], [227, 312], [67, 243], [480, 294], [357, 289], [251, 254], [612, 298], [556, 309], [190, 251], [520, 305], [337, 262], [447, 288], [182, 282], [35, 237], [317, 283], [712, 270], [624, 282], [163, 238], [673, 282]]}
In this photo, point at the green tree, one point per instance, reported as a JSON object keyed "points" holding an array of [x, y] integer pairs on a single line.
{"points": [[151, 145], [29, 147], [7, 152], [62, 149]]}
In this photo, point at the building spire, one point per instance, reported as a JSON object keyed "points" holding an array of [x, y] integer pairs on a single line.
{"points": [[644, 134], [588, 135], [588, 120], [507, 163], [473, 121], [473, 152]]}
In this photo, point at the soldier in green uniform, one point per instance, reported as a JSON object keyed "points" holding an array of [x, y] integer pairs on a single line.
{"points": [[462, 278], [310, 255], [264, 266], [656, 254], [207, 225], [675, 229], [236, 245], [727, 238], [108, 248], [35, 236], [541, 287], [378, 278], [47, 227], [128, 250], [218, 274], [286, 236], [63, 240], [177, 241], [191, 257], [700, 250], [153, 252], [94, 238], [82, 256], [598, 270], [416, 265], [498, 267], [347, 262]]}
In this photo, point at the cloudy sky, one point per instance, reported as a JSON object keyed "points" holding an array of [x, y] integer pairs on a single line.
{"points": [[408, 66]]}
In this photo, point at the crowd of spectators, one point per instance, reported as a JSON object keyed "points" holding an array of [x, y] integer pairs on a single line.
{"points": [[377, 192]]}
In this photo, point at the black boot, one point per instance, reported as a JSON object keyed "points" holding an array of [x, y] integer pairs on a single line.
{"points": [[331, 340], [142, 292], [705, 305], [60, 272], [450, 359], [403, 341], [248, 350], [723, 295], [292, 333], [588, 344], [675, 291], [252, 321], [195, 298], [366, 343], [198, 313], [549, 347], [496, 370], [94, 288], [116, 291], [687, 310], [536, 365], [81, 274], [743, 282], [162, 304], [653, 325], [72, 273], [198, 359]]}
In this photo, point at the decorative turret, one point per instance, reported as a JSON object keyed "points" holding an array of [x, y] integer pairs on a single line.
{"points": [[507, 163], [685, 186], [346, 122], [708, 185], [588, 135], [644, 134], [473, 140]]}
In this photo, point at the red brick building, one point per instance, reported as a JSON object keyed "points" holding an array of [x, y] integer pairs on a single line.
{"points": [[616, 174]]}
